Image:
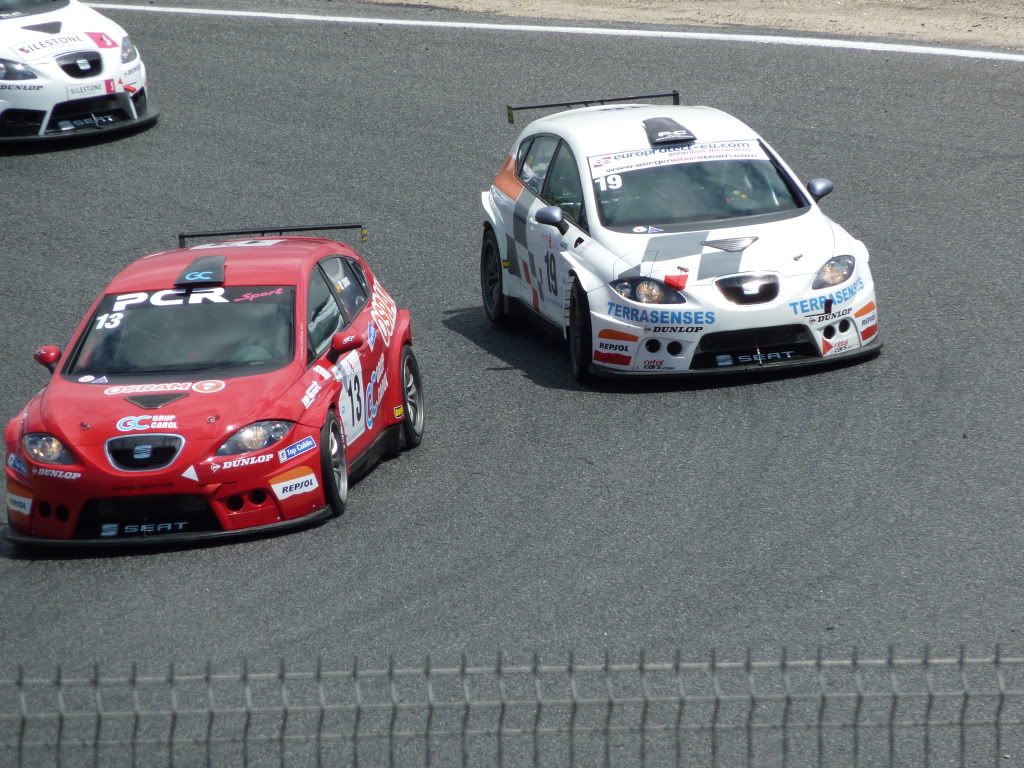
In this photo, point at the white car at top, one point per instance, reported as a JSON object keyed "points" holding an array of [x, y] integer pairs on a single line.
{"points": [[671, 240], [66, 70]]}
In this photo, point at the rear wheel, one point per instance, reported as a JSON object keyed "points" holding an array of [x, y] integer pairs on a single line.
{"points": [[491, 279], [333, 466], [412, 399], [580, 336]]}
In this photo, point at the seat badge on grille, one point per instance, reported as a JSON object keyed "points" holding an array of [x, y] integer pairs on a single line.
{"points": [[142, 451]]}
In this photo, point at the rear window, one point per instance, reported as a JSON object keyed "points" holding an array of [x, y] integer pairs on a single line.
{"points": [[250, 329]]}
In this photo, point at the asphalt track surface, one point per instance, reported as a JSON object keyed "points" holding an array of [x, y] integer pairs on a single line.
{"points": [[873, 504]]}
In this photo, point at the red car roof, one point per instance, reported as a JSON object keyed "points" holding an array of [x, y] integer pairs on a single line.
{"points": [[283, 263]]}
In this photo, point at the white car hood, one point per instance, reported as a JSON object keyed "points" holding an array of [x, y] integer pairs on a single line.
{"points": [[72, 28], [794, 246]]}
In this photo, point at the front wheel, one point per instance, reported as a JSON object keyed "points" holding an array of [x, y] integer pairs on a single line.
{"points": [[412, 399], [580, 335], [333, 466], [491, 279]]}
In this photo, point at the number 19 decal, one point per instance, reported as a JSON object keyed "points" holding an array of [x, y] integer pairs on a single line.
{"points": [[549, 262], [612, 181]]}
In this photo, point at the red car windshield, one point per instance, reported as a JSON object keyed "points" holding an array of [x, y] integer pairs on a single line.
{"points": [[178, 330]]}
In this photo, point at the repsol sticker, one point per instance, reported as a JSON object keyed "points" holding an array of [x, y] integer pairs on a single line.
{"points": [[613, 347], [294, 482], [666, 316]]}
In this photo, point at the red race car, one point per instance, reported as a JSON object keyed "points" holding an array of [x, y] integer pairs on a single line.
{"points": [[221, 389]]}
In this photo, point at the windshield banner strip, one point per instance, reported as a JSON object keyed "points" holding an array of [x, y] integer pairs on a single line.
{"points": [[652, 157]]}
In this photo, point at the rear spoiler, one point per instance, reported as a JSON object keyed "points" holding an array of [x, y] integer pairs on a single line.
{"points": [[363, 233], [511, 111]]}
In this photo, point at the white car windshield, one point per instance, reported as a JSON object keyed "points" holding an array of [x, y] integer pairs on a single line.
{"points": [[687, 184]]}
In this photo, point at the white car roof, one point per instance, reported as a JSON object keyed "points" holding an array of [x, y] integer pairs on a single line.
{"points": [[619, 127]]}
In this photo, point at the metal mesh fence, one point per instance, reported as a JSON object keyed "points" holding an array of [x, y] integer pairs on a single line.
{"points": [[893, 711]]}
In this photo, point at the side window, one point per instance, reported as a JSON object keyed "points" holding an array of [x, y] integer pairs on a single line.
{"points": [[348, 282], [563, 185], [323, 316], [521, 154], [535, 164]]}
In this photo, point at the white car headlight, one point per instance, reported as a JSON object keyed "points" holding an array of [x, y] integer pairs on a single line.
{"points": [[128, 50], [13, 70], [255, 437], [646, 290], [835, 271], [46, 449]]}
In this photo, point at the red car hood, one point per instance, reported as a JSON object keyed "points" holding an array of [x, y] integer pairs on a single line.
{"points": [[88, 413]]}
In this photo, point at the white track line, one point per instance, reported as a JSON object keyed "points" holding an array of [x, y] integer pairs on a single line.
{"points": [[807, 42]]}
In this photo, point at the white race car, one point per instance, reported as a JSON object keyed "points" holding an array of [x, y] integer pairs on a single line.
{"points": [[670, 240], [66, 70]]}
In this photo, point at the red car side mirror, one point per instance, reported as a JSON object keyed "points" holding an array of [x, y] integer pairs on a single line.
{"points": [[346, 341], [48, 355]]}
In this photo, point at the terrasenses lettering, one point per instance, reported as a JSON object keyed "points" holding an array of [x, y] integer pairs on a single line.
{"points": [[666, 316], [818, 303]]}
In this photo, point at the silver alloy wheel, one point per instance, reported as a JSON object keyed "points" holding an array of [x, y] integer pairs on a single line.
{"points": [[337, 450], [413, 399]]}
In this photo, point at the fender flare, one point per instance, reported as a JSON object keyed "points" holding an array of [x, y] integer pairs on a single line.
{"points": [[578, 271], [392, 368], [493, 221]]}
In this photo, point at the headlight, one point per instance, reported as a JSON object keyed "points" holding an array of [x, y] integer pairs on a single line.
{"points": [[46, 449], [646, 290], [12, 70], [128, 50], [836, 270], [255, 437]]}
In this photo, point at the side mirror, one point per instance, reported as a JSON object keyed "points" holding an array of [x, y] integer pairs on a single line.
{"points": [[552, 216], [345, 341], [819, 188], [48, 356]]}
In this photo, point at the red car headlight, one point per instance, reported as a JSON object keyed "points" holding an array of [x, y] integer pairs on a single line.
{"points": [[46, 449]]}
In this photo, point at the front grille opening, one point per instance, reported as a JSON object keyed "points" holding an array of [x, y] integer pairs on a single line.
{"points": [[781, 343], [141, 516], [21, 122], [81, 65], [91, 113], [142, 452], [749, 288]]}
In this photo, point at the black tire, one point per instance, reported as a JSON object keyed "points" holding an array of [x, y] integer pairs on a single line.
{"points": [[580, 335], [491, 288], [333, 466], [412, 399]]}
